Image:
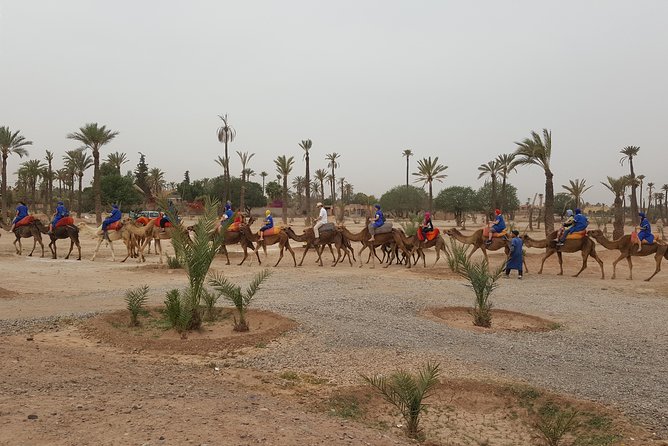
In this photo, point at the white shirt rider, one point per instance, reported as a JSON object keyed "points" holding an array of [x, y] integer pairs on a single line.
{"points": [[321, 220]]}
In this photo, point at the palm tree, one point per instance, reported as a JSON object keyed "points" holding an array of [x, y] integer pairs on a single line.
{"points": [[333, 164], [32, 171], [245, 158], [94, 137], [10, 143], [156, 181], [49, 179], [664, 188], [342, 184], [116, 160], [284, 168], [429, 171], [226, 134], [576, 189], [264, 175], [506, 164], [61, 176], [629, 153], [349, 190], [640, 179], [650, 189], [407, 154], [321, 176], [491, 169], [537, 151], [315, 185], [617, 186], [306, 145], [298, 184], [78, 161]]}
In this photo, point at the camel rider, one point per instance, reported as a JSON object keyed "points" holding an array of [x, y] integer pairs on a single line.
{"points": [[426, 226], [268, 223], [497, 226], [378, 221], [112, 218], [580, 223], [21, 213], [321, 220], [567, 224], [61, 212], [645, 231], [228, 212], [164, 217]]}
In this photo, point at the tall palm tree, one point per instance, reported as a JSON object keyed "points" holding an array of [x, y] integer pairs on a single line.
{"points": [[156, 181], [10, 143], [264, 175], [342, 185], [226, 134], [650, 190], [407, 153], [321, 176], [116, 160], [618, 187], [78, 161], [32, 171], [349, 190], [284, 168], [306, 145], [491, 169], [245, 158], [298, 184], [223, 162], [332, 163], [94, 137], [429, 171], [49, 176], [576, 189], [315, 185], [641, 179], [506, 163], [538, 151], [629, 153], [664, 188]]}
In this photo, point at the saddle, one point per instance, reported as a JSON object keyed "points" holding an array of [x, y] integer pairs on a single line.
{"points": [[327, 227], [25, 221], [485, 233], [273, 231], [167, 224], [431, 235], [143, 221], [634, 239], [65, 221], [576, 235], [234, 227], [387, 227], [115, 226]]}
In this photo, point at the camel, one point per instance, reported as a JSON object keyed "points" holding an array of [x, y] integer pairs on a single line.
{"points": [[229, 238], [114, 235], [250, 237], [155, 233], [63, 232], [34, 230], [478, 241], [395, 236], [627, 249], [585, 244], [420, 245], [326, 238]]}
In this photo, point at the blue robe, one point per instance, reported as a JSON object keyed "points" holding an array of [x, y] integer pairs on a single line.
{"points": [[61, 211], [646, 231], [515, 260], [21, 213], [380, 220], [115, 216], [268, 223], [499, 224]]}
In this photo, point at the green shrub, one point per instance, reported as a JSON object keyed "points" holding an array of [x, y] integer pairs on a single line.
{"points": [[173, 262], [483, 283], [135, 300], [173, 307], [554, 423], [406, 392], [456, 255], [239, 299], [210, 300]]}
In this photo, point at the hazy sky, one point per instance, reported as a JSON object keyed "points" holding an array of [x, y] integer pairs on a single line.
{"points": [[367, 79]]}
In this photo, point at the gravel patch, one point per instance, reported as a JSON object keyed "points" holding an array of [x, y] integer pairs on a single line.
{"points": [[41, 324]]}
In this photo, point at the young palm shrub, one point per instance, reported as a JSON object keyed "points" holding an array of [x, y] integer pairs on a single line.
{"points": [[240, 299], [195, 255], [210, 300], [178, 310], [173, 307], [173, 262], [406, 392], [483, 282], [554, 423], [135, 300], [456, 255]]}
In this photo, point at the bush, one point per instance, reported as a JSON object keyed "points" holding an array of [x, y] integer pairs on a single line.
{"points": [[239, 299], [411, 226], [554, 423], [179, 311], [403, 200], [456, 255], [135, 300], [483, 283], [173, 262], [406, 392]]}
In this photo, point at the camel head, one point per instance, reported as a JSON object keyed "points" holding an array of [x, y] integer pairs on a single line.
{"points": [[452, 232], [595, 233]]}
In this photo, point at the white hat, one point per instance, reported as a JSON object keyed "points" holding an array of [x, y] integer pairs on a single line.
{"points": [[318, 204]]}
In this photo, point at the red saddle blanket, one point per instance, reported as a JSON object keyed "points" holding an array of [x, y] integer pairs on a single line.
{"points": [[115, 226], [430, 235], [234, 227], [485, 232], [167, 224], [25, 221], [143, 221], [576, 235], [634, 238], [273, 231], [64, 222]]}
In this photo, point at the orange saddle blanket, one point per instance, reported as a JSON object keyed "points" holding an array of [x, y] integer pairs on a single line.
{"points": [[576, 235], [24, 221], [143, 221], [634, 238], [167, 224], [115, 226], [273, 231], [65, 221], [234, 227], [485, 232], [430, 235]]}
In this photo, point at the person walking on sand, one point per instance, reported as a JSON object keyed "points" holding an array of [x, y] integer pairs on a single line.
{"points": [[515, 258], [319, 222]]}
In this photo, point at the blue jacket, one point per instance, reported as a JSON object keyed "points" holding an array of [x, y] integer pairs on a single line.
{"points": [[646, 227], [22, 211], [499, 224], [115, 216], [61, 211], [268, 223], [515, 260], [380, 221], [581, 223]]}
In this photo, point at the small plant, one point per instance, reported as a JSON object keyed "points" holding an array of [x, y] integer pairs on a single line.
{"points": [[135, 300], [239, 299], [345, 406], [173, 262], [173, 307], [483, 282], [411, 226], [210, 300], [554, 423], [406, 392], [456, 255]]}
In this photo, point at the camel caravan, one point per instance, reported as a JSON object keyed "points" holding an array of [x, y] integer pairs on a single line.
{"points": [[137, 235]]}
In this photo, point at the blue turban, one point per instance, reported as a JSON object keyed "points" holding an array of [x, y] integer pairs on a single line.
{"points": [[641, 214], [377, 206], [115, 206], [578, 211], [60, 203]]}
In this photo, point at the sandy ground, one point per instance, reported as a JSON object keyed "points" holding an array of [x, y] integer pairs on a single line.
{"points": [[88, 392]]}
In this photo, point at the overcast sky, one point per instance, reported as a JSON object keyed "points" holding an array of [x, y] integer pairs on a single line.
{"points": [[367, 79]]}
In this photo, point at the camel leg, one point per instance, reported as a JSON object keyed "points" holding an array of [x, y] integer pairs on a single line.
{"points": [[374, 256], [97, 248], [657, 258], [331, 251], [34, 244], [359, 254], [615, 262], [78, 248], [113, 254], [599, 261], [19, 248], [561, 263], [630, 262], [545, 257], [304, 255], [475, 248], [391, 256], [280, 256], [585, 256], [67, 257], [39, 240], [245, 255], [52, 247], [224, 249], [294, 260]]}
